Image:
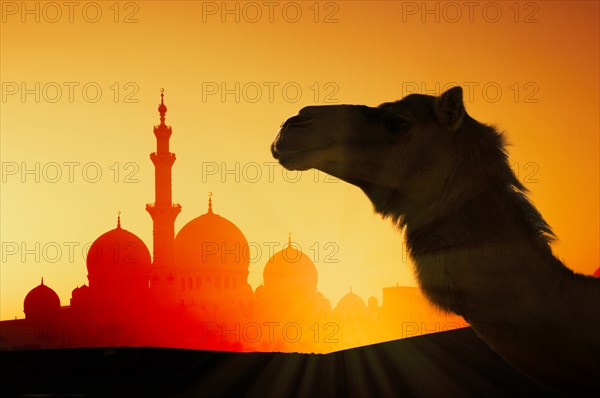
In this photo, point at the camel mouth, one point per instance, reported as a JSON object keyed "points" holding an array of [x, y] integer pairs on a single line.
{"points": [[296, 145], [297, 158]]}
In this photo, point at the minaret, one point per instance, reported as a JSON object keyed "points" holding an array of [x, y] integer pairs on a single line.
{"points": [[163, 211]]}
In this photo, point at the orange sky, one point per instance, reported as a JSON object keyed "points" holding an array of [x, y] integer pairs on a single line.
{"points": [[543, 56]]}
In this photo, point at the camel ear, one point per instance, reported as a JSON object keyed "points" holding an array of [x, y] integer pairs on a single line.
{"points": [[449, 108]]}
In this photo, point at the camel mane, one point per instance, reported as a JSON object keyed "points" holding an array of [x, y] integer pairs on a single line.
{"points": [[481, 153]]}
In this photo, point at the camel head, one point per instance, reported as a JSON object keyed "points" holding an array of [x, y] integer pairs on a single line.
{"points": [[399, 153]]}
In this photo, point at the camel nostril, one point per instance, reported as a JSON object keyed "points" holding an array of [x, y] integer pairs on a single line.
{"points": [[297, 121], [274, 151], [293, 120]]}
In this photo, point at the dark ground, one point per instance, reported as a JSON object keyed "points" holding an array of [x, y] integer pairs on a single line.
{"points": [[449, 364]]}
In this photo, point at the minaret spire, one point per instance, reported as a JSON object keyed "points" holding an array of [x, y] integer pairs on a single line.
{"points": [[162, 108], [163, 211]]}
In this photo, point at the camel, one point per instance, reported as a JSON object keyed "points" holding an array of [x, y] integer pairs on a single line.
{"points": [[479, 247]]}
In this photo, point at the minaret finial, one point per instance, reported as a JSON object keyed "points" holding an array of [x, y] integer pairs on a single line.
{"points": [[162, 108], [210, 202], [289, 239], [42, 280], [119, 219]]}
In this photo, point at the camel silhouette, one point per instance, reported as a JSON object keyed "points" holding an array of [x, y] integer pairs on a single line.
{"points": [[479, 246]]}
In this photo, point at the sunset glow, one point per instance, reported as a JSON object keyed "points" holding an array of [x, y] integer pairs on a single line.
{"points": [[79, 102]]}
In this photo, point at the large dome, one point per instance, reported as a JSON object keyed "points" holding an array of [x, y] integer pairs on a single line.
{"points": [[211, 240], [40, 301], [290, 269], [118, 251]]}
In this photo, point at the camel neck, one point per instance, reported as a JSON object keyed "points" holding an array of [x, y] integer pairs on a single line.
{"points": [[487, 218], [479, 247]]}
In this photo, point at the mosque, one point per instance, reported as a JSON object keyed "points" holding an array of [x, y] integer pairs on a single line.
{"points": [[192, 292]]}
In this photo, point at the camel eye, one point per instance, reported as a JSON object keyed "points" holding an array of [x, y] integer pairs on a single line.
{"points": [[398, 126]]}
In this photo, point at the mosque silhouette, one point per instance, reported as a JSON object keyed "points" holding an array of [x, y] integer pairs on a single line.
{"points": [[193, 292]]}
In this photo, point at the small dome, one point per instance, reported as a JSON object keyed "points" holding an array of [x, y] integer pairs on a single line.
{"points": [[211, 240], [41, 301], [290, 269], [372, 303], [80, 297], [118, 251], [352, 306], [78, 291]]}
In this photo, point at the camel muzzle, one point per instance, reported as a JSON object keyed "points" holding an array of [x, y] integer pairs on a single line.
{"points": [[297, 135]]}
